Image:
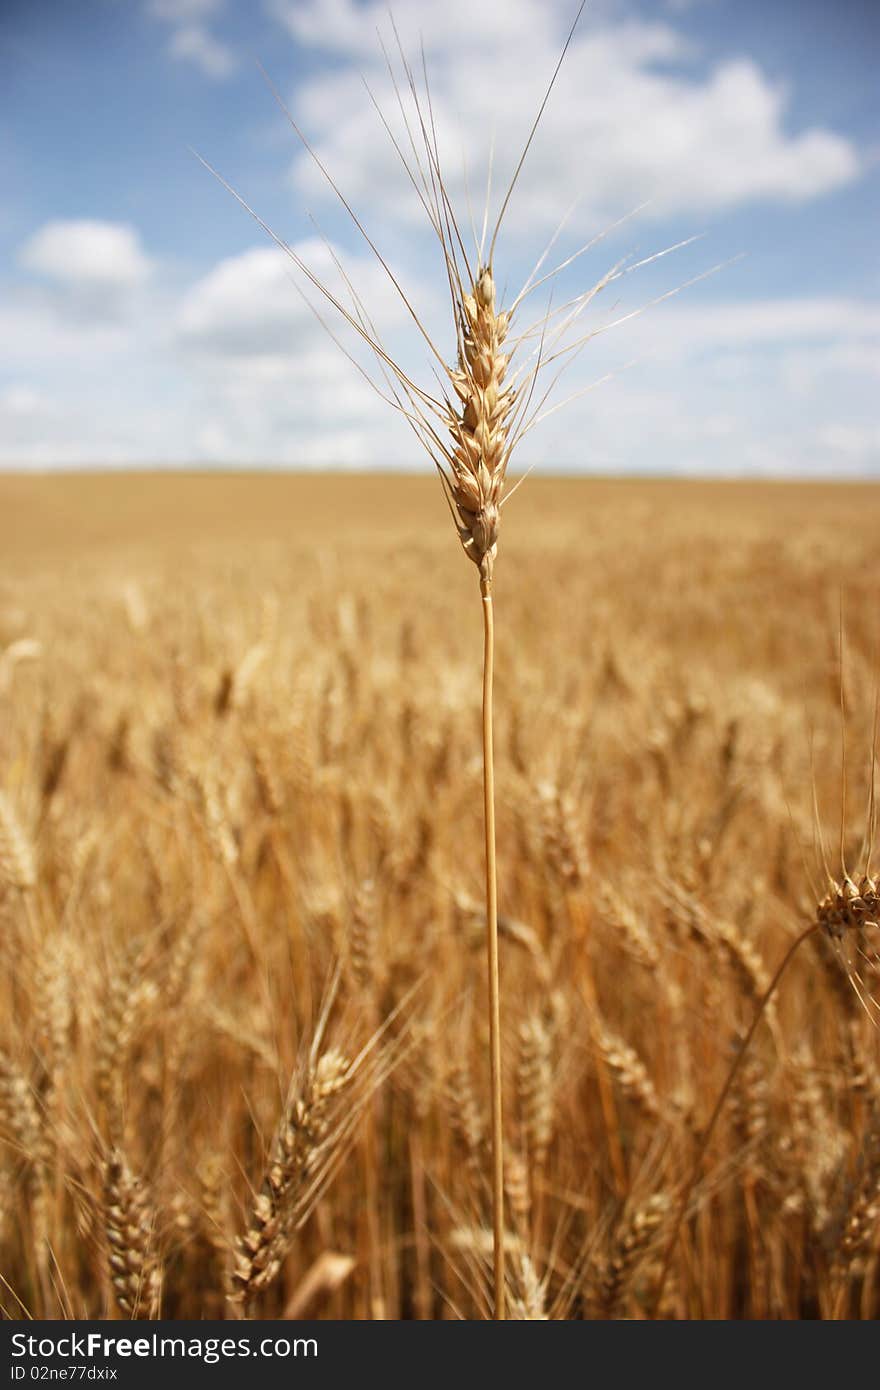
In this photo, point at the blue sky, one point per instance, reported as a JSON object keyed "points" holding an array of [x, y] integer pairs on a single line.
{"points": [[145, 319]]}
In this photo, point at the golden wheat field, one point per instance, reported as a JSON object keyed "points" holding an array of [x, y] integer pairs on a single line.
{"points": [[243, 1038]]}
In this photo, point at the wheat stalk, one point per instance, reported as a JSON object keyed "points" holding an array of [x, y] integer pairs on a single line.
{"points": [[469, 429]]}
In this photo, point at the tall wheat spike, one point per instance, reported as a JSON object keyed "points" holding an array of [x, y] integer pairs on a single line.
{"points": [[472, 427]]}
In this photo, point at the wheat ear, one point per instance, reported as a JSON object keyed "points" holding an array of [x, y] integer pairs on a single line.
{"points": [[308, 1139]]}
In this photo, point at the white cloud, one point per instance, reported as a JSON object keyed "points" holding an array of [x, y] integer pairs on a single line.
{"points": [[304, 410], [246, 305], [813, 368], [857, 444], [347, 28], [716, 389], [45, 331], [682, 6], [25, 427], [235, 367], [276, 388], [18, 400], [198, 46], [35, 431], [633, 115], [184, 11], [86, 278], [87, 253], [250, 305], [821, 323], [191, 40]]}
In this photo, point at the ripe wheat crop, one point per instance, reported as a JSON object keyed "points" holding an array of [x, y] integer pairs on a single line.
{"points": [[243, 1033]]}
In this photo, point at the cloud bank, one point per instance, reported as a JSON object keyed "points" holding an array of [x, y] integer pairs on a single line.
{"points": [[112, 354]]}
